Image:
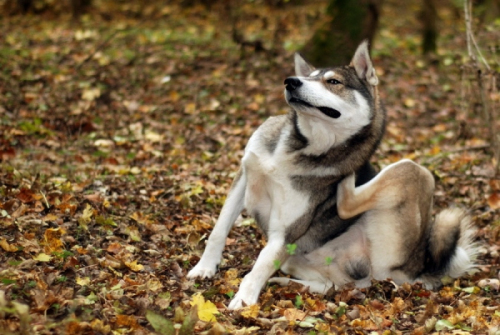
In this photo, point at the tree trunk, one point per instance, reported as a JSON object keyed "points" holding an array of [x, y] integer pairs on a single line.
{"points": [[429, 27], [78, 7], [351, 21]]}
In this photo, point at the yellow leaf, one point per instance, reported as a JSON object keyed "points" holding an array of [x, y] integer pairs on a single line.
{"points": [[134, 233], [435, 150], [190, 108], [154, 284], [84, 220], [42, 257], [231, 277], [153, 136], [50, 217], [139, 217], [409, 102], [250, 311], [91, 94], [134, 266], [206, 309], [6, 246], [83, 281]]}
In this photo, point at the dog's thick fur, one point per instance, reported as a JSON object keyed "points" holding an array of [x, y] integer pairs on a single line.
{"points": [[291, 170], [394, 237]]}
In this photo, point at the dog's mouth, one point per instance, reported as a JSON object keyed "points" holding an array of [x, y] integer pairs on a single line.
{"points": [[330, 112]]}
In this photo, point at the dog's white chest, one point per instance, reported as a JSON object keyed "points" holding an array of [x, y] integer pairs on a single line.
{"points": [[270, 196]]}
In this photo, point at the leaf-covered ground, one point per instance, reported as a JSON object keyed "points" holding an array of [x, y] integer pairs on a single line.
{"points": [[119, 137]]}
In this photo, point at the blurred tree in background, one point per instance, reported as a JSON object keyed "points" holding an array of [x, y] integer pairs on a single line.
{"points": [[77, 7], [348, 23], [345, 23]]}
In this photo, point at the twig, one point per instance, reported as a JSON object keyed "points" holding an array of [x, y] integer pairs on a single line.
{"points": [[468, 27], [44, 198], [470, 36], [487, 110], [473, 147]]}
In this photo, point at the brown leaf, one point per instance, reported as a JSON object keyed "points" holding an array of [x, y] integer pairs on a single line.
{"points": [[114, 248], [315, 305], [293, 314], [25, 195], [495, 184], [52, 239], [377, 304], [494, 200], [128, 321], [95, 197]]}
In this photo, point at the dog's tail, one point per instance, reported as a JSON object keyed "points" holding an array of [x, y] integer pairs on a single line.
{"points": [[451, 250]]}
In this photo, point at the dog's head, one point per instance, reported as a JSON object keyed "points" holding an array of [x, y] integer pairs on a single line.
{"points": [[342, 97]]}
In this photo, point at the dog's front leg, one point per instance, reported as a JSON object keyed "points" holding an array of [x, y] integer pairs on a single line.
{"points": [[207, 266], [273, 254]]}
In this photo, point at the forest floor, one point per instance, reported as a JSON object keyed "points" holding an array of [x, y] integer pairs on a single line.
{"points": [[120, 135]]}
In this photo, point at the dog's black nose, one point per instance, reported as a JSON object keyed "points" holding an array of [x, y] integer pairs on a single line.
{"points": [[292, 83]]}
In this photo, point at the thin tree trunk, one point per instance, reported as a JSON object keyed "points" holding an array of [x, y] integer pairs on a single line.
{"points": [[429, 27]]}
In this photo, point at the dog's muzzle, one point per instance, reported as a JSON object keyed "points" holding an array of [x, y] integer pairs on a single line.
{"points": [[292, 83]]}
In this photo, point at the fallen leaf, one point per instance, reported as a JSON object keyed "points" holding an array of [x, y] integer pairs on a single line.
{"points": [[206, 309], [251, 312], [160, 324], [25, 195], [293, 314], [82, 281], [42, 257], [128, 321], [134, 266], [85, 219], [443, 324], [7, 247], [52, 239], [91, 94], [494, 200]]}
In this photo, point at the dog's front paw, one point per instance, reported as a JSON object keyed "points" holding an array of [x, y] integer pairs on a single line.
{"points": [[235, 304], [202, 270], [241, 299]]}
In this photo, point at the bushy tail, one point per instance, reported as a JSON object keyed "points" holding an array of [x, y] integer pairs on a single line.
{"points": [[451, 250]]}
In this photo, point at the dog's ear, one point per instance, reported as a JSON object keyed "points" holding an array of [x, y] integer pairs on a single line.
{"points": [[302, 68], [363, 64]]}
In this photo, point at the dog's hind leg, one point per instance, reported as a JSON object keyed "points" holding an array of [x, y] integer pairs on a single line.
{"points": [[233, 206], [306, 273], [314, 286], [385, 191]]}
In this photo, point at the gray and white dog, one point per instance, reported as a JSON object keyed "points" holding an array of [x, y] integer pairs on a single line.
{"points": [[306, 179]]}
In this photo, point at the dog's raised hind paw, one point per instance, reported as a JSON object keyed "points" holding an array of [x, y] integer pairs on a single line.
{"points": [[202, 271]]}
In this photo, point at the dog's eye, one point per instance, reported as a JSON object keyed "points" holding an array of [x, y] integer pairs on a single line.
{"points": [[333, 81]]}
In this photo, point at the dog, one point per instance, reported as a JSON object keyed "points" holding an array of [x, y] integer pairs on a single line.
{"points": [[293, 163], [306, 179], [394, 237]]}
